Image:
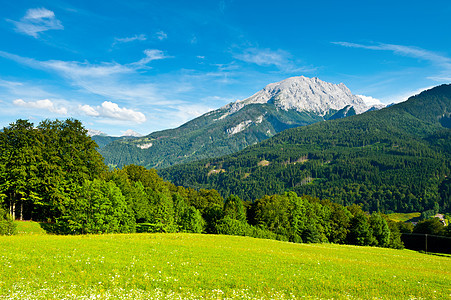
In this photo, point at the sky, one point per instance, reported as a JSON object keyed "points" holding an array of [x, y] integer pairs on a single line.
{"points": [[153, 65]]}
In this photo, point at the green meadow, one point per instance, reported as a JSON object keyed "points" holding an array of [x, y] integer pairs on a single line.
{"points": [[404, 217], [195, 266]]}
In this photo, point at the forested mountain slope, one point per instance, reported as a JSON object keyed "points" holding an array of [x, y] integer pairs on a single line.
{"points": [[394, 159], [290, 103]]}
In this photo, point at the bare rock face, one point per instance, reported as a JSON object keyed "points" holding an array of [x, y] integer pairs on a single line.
{"points": [[304, 94]]}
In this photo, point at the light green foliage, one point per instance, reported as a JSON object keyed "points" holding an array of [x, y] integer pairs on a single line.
{"points": [[99, 208], [380, 230], [161, 211], [192, 221], [300, 219], [395, 235], [190, 266], [234, 208], [187, 218]]}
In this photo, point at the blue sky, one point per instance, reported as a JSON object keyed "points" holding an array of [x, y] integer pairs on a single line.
{"points": [[152, 65]]}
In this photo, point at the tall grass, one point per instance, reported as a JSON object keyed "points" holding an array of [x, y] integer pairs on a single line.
{"points": [[191, 266]]}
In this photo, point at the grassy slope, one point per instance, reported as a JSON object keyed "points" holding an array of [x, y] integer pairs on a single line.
{"points": [[29, 228], [404, 217], [168, 266]]}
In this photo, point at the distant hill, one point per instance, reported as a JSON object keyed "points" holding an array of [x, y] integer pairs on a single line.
{"points": [[290, 103], [394, 159]]}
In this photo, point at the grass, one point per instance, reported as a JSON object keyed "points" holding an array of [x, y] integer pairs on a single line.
{"points": [[29, 228], [191, 266], [404, 217]]}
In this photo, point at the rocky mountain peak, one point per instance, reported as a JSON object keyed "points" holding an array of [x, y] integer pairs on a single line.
{"points": [[304, 94]]}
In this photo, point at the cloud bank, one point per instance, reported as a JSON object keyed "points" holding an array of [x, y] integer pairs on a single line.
{"points": [[45, 104], [112, 111]]}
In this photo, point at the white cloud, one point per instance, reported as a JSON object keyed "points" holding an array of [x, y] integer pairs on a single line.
{"points": [[161, 35], [370, 100], [89, 110], [42, 104], [112, 110], [151, 54], [37, 20]]}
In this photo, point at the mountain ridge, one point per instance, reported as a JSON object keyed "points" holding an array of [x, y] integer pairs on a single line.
{"points": [[394, 159], [293, 102]]}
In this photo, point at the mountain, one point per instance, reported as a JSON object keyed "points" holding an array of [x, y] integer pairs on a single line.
{"points": [[132, 133], [94, 132], [394, 159], [293, 102]]}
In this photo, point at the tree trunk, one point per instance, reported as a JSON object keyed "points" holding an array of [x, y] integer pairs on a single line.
{"points": [[21, 210]]}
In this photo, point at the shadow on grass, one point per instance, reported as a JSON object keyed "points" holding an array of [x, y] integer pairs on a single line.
{"points": [[50, 228]]}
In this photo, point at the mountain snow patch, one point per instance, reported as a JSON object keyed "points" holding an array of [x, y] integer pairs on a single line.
{"points": [[259, 119], [132, 133], [144, 146], [238, 128], [93, 132]]}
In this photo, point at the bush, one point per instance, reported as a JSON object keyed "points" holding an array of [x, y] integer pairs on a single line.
{"points": [[7, 225], [229, 226]]}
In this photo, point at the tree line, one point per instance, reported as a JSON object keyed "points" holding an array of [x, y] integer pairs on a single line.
{"points": [[52, 173]]}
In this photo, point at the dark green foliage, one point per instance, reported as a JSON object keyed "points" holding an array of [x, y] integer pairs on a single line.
{"points": [[428, 214], [396, 159], [405, 227], [338, 223], [40, 167], [360, 230], [21, 153], [7, 225], [306, 219], [430, 226], [234, 208]]}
